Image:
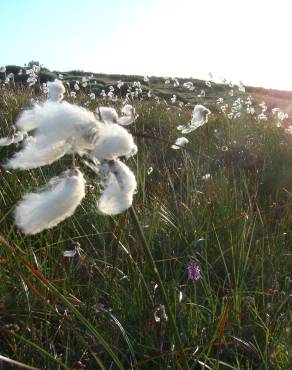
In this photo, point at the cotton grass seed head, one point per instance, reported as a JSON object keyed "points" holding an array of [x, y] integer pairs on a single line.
{"points": [[58, 129], [199, 117], [180, 142], [56, 90], [113, 142], [119, 188], [52, 204]]}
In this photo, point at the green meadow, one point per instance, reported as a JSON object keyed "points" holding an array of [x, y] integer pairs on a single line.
{"points": [[121, 296]]}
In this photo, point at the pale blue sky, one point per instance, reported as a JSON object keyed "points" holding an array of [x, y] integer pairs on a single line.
{"points": [[248, 40]]}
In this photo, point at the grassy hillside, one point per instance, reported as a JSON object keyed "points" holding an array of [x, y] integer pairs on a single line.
{"points": [[221, 205], [100, 81]]}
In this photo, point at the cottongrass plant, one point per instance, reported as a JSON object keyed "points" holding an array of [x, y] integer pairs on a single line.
{"points": [[199, 118], [199, 271], [57, 128]]}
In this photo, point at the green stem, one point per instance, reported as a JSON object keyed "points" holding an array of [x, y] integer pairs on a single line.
{"points": [[160, 283], [46, 283]]}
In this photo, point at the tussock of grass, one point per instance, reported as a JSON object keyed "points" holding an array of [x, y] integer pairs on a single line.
{"points": [[236, 225]]}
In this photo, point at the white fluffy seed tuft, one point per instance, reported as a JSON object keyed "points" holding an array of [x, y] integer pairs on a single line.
{"points": [[180, 142], [53, 204], [15, 138], [119, 188], [129, 115], [56, 117], [56, 90], [59, 128], [199, 118], [38, 153], [113, 142], [107, 114], [5, 141]]}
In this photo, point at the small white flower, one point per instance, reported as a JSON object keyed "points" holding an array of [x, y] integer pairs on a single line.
{"points": [[103, 93], [202, 94], [175, 82], [288, 130], [281, 116], [173, 99], [36, 68], [111, 95], [241, 87], [262, 117], [69, 253], [263, 106], [275, 110], [150, 170], [160, 314], [224, 108], [180, 142], [120, 84], [206, 177], [137, 84], [189, 85]]}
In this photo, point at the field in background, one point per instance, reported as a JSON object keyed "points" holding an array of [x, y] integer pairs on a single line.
{"points": [[100, 81], [224, 202]]}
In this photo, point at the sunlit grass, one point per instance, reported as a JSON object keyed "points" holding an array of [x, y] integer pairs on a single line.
{"points": [[97, 309]]}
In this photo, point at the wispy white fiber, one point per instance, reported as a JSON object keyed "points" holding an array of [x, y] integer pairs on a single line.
{"points": [[58, 129], [53, 116], [12, 139], [199, 117], [5, 141], [56, 90], [37, 153], [112, 142], [53, 204], [119, 188]]}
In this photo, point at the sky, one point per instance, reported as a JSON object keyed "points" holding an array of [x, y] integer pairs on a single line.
{"points": [[248, 40]]}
